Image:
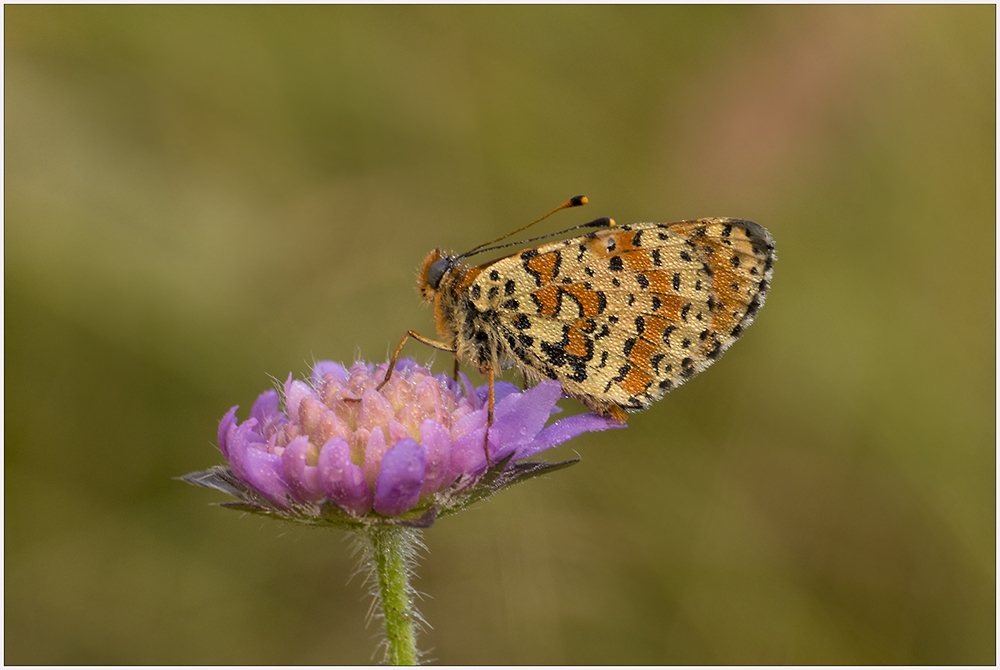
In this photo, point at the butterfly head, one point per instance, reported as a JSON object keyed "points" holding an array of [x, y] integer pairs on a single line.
{"points": [[432, 271]]}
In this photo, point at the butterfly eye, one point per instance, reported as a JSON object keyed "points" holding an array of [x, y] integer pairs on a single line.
{"points": [[436, 271]]}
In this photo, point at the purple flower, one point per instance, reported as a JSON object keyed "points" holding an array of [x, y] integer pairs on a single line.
{"points": [[341, 452]]}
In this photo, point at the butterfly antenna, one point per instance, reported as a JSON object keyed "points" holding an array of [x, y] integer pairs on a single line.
{"points": [[572, 202]]}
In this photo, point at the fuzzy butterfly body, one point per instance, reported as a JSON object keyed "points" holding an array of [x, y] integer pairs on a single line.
{"points": [[619, 316]]}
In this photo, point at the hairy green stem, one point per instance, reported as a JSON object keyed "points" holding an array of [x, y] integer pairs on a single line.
{"points": [[391, 550]]}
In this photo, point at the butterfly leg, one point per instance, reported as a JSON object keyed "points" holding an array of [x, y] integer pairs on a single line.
{"points": [[489, 418], [618, 413], [419, 338], [442, 346]]}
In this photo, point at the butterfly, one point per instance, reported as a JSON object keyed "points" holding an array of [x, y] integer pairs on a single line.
{"points": [[619, 314]]}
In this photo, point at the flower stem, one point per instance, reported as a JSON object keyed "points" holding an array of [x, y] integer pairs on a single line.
{"points": [[391, 550]]}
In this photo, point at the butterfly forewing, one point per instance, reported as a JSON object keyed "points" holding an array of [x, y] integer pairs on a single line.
{"points": [[623, 314]]}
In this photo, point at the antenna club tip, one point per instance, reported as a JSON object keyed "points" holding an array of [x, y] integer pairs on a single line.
{"points": [[578, 200]]}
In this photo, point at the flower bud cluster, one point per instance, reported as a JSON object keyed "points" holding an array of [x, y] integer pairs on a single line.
{"points": [[395, 452]]}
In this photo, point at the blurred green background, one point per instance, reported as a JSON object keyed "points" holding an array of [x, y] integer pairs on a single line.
{"points": [[200, 197]]}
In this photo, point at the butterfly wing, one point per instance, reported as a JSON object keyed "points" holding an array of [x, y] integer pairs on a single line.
{"points": [[624, 314]]}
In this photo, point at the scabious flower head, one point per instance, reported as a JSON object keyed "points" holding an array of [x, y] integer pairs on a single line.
{"points": [[340, 452]]}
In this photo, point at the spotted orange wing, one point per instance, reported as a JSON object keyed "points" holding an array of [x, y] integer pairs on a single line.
{"points": [[624, 314]]}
